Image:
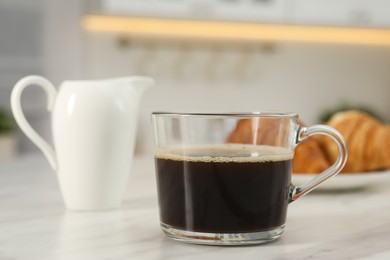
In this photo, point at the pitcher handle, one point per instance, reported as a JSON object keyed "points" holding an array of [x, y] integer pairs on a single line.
{"points": [[337, 166], [51, 92]]}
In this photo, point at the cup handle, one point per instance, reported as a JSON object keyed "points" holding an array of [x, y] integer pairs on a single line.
{"points": [[303, 133], [51, 92]]}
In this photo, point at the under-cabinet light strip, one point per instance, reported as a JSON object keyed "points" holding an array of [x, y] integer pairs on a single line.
{"points": [[217, 30]]}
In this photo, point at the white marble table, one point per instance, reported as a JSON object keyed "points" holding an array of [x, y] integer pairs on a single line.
{"points": [[35, 225]]}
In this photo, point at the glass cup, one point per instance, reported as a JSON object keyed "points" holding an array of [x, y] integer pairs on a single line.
{"points": [[225, 179]]}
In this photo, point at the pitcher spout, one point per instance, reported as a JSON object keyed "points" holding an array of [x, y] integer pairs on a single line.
{"points": [[130, 86], [141, 83]]}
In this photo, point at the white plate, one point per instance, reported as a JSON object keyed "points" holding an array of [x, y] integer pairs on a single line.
{"points": [[344, 181]]}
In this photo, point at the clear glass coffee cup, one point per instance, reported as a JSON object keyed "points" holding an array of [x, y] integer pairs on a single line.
{"points": [[225, 179]]}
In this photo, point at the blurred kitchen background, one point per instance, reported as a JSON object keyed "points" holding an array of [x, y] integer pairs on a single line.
{"points": [[306, 56]]}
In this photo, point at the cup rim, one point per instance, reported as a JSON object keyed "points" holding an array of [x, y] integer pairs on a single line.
{"points": [[274, 114]]}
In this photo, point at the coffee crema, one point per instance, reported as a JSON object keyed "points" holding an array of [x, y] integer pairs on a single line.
{"points": [[229, 188]]}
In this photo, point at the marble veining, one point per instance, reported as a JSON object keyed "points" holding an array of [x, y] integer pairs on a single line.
{"points": [[34, 224]]}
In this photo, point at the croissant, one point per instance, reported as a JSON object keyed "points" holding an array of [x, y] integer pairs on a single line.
{"points": [[368, 141], [309, 156], [261, 131]]}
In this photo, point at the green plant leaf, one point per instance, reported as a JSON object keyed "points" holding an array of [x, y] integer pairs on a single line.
{"points": [[328, 113], [7, 123]]}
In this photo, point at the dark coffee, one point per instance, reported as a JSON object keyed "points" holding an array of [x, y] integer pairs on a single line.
{"points": [[225, 189]]}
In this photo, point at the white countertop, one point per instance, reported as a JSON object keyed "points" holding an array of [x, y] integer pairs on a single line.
{"points": [[35, 225]]}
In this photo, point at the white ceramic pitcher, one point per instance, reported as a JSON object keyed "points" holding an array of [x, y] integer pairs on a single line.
{"points": [[94, 125]]}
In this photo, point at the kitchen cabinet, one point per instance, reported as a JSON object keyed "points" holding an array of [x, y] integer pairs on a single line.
{"points": [[232, 10], [360, 13], [21, 49], [154, 8], [253, 11]]}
